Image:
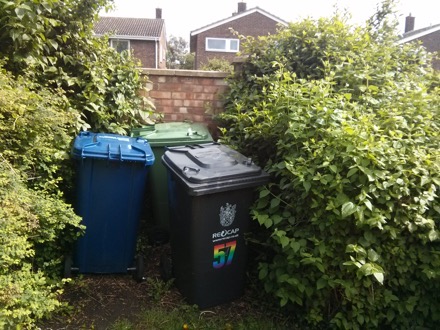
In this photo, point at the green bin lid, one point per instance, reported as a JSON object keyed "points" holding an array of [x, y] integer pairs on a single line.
{"points": [[173, 134], [112, 147], [212, 167]]}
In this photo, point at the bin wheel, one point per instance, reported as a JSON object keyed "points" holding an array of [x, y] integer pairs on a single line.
{"points": [[68, 262], [138, 274], [166, 267]]}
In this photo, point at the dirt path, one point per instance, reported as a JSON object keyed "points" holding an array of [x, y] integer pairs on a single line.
{"points": [[98, 301]]}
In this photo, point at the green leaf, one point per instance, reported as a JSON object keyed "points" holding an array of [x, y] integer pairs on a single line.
{"points": [[372, 255], [20, 12], [321, 283], [284, 241], [348, 209], [379, 277], [53, 43], [295, 245], [274, 202], [368, 204], [433, 235], [390, 314], [264, 193], [263, 273], [307, 185], [352, 171]]}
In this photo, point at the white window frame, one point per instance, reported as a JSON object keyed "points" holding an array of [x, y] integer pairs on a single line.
{"points": [[119, 40], [227, 45]]}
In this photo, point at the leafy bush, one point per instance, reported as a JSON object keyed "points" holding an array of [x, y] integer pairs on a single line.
{"points": [[345, 120], [35, 130], [36, 227], [52, 43], [33, 229], [217, 64], [55, 79]]}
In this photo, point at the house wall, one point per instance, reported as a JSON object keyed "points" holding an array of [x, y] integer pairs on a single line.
{"points": [[255, 24], [145, 51], [432, 44], [187, 95]]}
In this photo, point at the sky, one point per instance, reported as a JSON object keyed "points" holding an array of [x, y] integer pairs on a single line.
{"points": [[183, 16]]}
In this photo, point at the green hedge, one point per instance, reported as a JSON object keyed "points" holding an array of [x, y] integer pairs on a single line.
{"points": [[34, 228], [346, 122]]}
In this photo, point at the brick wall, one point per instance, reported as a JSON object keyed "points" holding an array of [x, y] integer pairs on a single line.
{"points": [[187, 95]]}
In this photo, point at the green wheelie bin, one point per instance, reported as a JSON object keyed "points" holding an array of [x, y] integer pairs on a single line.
{"points": [[159, 136]]}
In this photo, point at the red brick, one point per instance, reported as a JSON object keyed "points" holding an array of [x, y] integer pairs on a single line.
{"points": [[160, 95]]}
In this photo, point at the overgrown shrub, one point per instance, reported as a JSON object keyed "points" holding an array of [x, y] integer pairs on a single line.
{"points": [[52, 43], [346, 121], [35, 129], [217, 64], [56, 78], [34, 227]]}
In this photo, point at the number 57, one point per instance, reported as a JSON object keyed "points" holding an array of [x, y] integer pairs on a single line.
{"points": [[223, 254]]}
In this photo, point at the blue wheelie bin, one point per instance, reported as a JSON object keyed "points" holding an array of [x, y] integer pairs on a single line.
{"points": [[111, 179]]}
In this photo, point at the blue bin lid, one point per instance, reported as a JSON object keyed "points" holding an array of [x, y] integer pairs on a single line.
{"points": [[212, 167], [112, 147]]}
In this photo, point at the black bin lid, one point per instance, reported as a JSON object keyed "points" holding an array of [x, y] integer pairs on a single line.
{"points": [[212, 167]]}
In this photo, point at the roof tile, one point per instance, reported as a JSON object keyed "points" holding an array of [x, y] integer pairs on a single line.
{"points": [[136, 27]]}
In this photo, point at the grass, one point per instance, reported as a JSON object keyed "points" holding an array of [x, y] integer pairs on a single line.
{"points": [[189, 317]]}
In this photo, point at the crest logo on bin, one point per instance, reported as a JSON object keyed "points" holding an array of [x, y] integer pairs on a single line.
{"points": [[227, 214]]}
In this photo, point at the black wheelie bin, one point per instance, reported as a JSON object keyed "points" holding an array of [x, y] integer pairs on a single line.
{"points": [[211, 189]]}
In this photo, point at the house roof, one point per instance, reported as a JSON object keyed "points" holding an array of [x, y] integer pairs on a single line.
{"points": [[238, 16], [130, 28], [415, 34]]}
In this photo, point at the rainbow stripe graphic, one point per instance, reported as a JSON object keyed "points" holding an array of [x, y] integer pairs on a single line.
{"points": [[224, 254]]}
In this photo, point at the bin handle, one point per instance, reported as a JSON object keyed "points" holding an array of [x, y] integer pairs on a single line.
{"points": [[185, 169], [109, 154], [143, 151], [120, 154], [85, 147], [190, 146]]}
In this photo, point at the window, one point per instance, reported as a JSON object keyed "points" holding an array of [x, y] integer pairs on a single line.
{"points": [[222, 45], [120, 45]]}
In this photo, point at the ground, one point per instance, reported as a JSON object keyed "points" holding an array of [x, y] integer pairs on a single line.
{"points": [[101, 301], [98, 301]]}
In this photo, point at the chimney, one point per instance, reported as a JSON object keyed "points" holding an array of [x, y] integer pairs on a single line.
{"points": [[158, 12], [241, 7], [409, 23]]}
